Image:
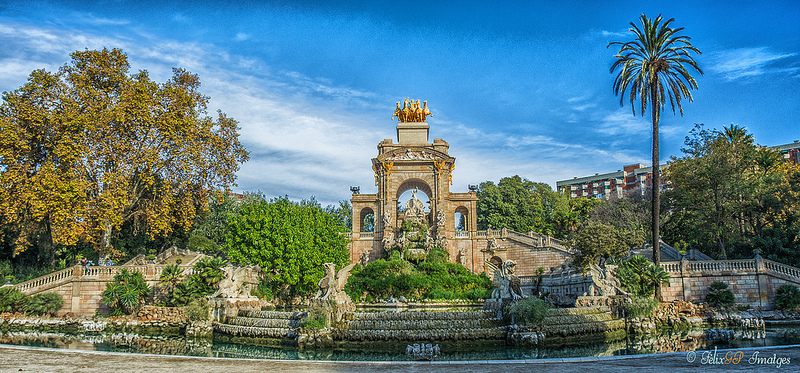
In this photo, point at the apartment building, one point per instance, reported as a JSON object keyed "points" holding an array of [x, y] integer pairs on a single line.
{"points": [[636, 178], [790, 152]]}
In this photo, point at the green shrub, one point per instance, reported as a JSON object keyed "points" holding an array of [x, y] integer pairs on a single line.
{"points": [[317, 318], [126, 293], [264, 290], [719, 295], [432, 278], [207, 275], [529, 311], [640, 307], [197, 310], [6, 269], [170, 277], [640, 277], [45, 304], [12, 300], [202, 244], [787, 297], [439, 293]]}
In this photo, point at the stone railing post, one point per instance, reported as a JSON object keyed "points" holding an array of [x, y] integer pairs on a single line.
{"points": [[684, 270], [75, 298], [761, 279], [77, 271]]}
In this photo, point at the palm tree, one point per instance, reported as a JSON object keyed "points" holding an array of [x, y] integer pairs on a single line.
{"points": [[654, 66]]}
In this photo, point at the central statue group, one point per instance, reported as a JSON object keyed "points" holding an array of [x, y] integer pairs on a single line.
{"points": [[412, 111]]}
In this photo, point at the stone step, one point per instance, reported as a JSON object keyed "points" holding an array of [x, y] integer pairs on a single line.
{"points": [[577, 319], [273, 314], [255, 331], [422, 324], [263, 323], [583, 328], [426, 315], [578, 311], [496, 333]]}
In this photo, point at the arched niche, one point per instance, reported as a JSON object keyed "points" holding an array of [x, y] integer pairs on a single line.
{"points": [[461, 219], [367, 220]]}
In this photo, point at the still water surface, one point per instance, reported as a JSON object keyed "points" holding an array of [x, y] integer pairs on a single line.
{"points": [[662, 343]]}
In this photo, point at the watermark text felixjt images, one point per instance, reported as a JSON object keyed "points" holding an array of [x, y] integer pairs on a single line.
{"points": [[736, 357]]}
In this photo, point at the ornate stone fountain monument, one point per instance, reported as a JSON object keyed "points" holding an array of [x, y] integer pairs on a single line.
{"points": [[414, 163]]}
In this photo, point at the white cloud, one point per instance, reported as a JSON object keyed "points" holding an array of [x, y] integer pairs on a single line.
{"points": [[309, 136], [739, 63], [622, 122], [242, 36]]}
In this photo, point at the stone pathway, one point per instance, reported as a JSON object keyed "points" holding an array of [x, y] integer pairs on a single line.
{"points": [[36, 359]]}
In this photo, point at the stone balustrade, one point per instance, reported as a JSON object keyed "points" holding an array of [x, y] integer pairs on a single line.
{"points": [[46, 281], [784, 269], [81, 286], [752, 281], [420, 315], [273, 314]]}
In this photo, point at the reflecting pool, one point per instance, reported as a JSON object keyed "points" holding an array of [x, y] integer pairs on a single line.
{"points": [[693, 340]]}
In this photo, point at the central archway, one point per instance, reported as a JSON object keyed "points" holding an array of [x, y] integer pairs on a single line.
{"points": [[414, 183]]}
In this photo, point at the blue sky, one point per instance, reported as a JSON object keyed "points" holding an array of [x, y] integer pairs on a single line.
{"points": [[519, 88]]}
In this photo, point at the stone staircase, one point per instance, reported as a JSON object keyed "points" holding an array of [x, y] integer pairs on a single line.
{"points": [[419, 326], [565, 322], [262, 324]]}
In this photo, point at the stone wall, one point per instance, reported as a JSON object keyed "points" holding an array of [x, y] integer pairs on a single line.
{"points": [[82, 287], [166, 314], [753, 282]]}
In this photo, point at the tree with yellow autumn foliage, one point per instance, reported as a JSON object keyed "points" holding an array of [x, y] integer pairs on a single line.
{"points": [[92, 146]]}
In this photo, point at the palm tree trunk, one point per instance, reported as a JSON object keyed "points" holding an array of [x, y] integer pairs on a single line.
{"points": [[656, 178]]}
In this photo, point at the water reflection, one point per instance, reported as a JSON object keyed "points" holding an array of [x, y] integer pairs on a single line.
{"points": [[660, 343]]}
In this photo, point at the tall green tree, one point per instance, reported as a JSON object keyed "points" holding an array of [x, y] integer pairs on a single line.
{"points": [[289, 240], [598, 240], [629, 216], [728, 195], [524, 205], [93, 146], [653, 67], [342, 213]]}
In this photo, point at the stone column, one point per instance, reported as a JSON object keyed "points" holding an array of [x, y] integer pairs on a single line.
{"points": [[762, 280], [75, 303], [687, 291]]}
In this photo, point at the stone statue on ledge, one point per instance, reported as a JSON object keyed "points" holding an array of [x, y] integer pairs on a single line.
{"points": [[331, 296], [233, 285], [332, 285], [507, 284]]}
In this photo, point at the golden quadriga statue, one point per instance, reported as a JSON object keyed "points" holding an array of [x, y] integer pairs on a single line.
{"points": [[412, 111]]}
